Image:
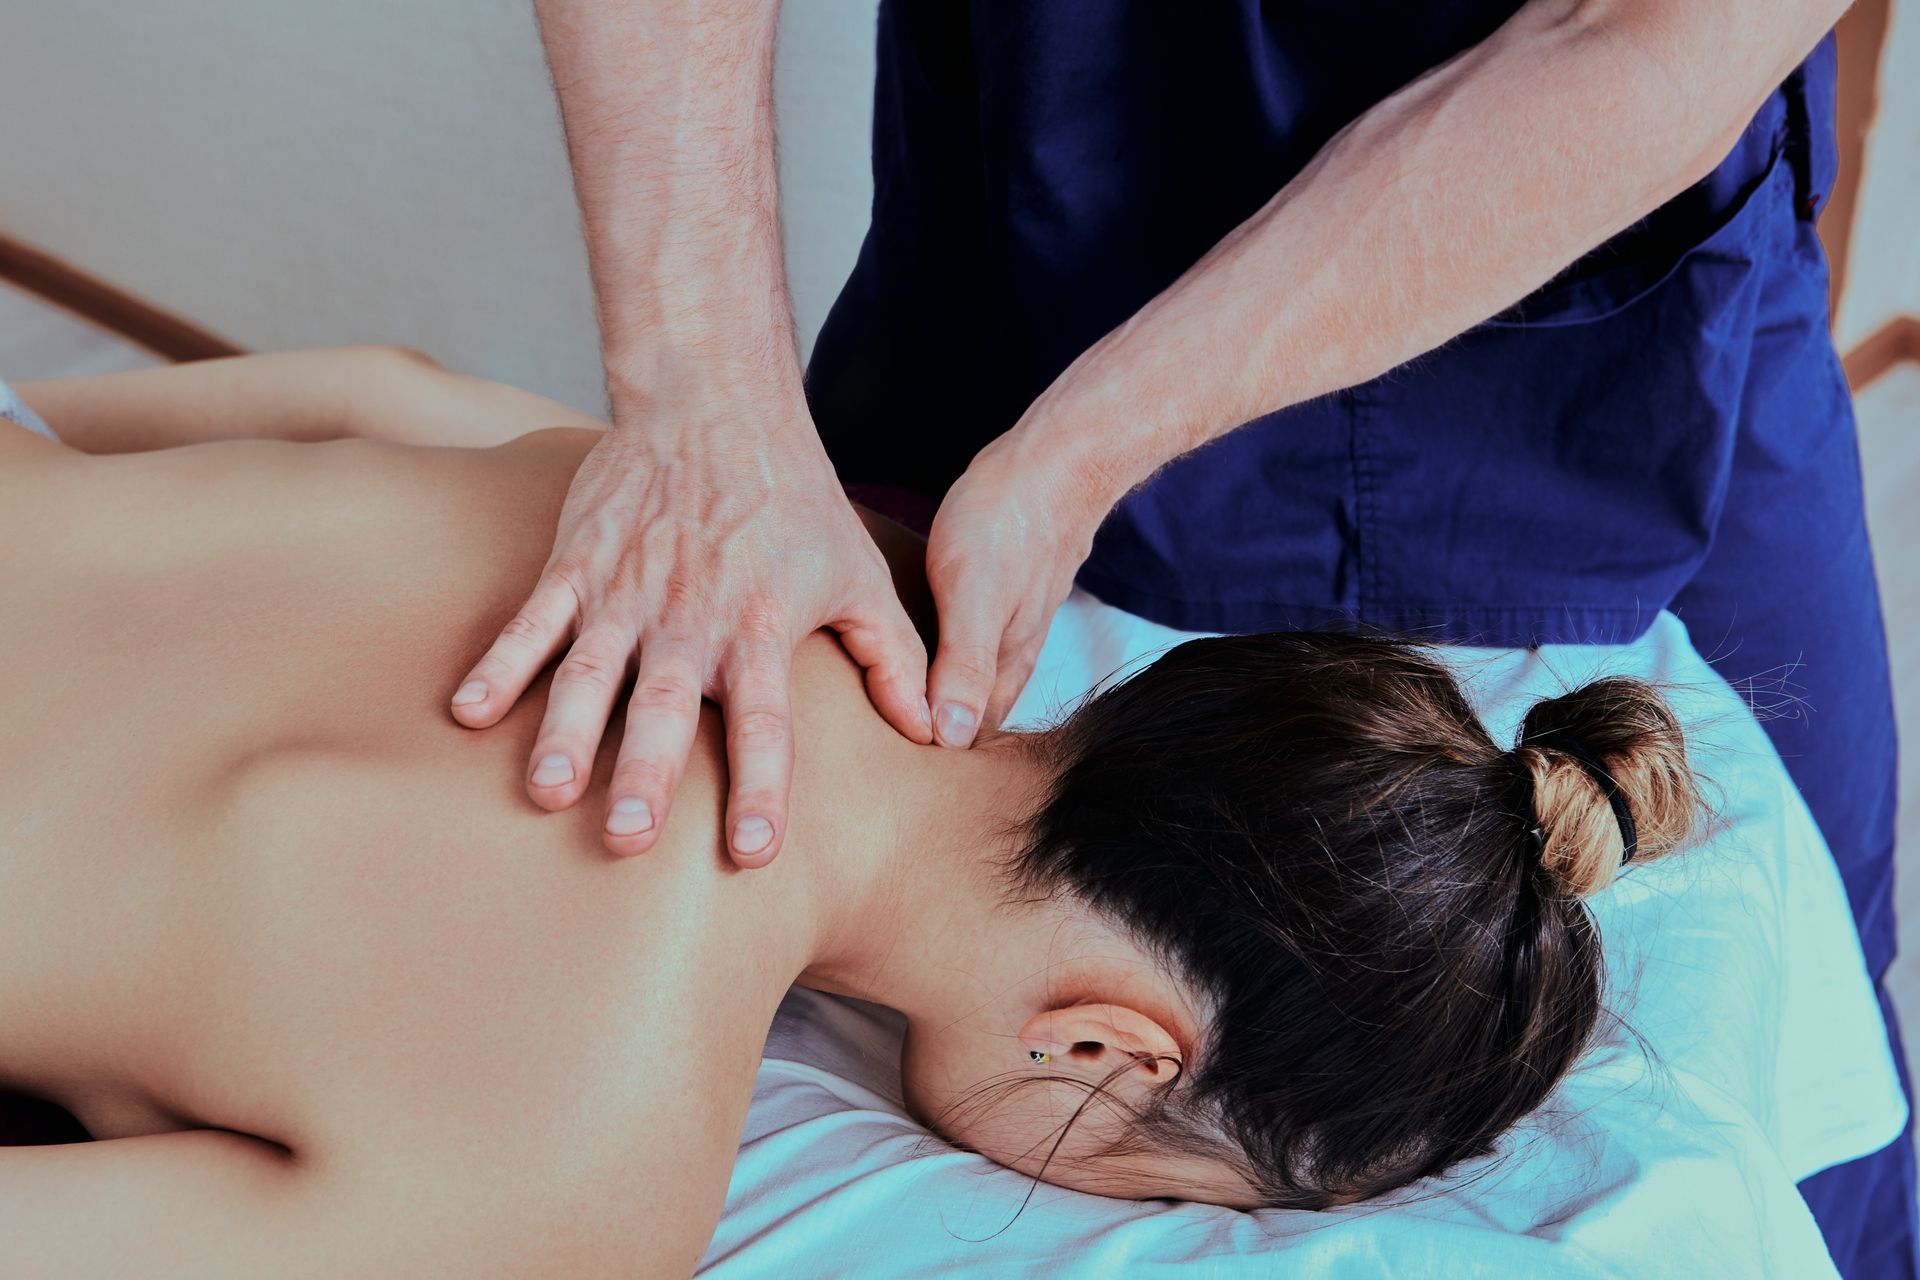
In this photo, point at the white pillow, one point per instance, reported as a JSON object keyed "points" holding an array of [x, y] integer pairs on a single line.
{"points": [[1735, 965]]}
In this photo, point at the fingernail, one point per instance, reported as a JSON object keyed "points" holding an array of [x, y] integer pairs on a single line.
{"points": [[956, 725], [751, 835], [629, 816], [470, 692], [553, 771]]}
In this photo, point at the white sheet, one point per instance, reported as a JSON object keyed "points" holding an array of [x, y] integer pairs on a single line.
{"points": [[14, 409], [1736, 966]]}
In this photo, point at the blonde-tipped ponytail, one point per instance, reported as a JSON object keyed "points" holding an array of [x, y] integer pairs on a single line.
{"points": [[1626, 728]]}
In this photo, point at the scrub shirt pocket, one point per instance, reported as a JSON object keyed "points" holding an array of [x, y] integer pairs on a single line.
{"points": [[1587, 294], [1558, 471]]}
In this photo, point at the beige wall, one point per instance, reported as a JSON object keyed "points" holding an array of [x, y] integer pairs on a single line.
{"points": [[290, 173], [1883, 275]]}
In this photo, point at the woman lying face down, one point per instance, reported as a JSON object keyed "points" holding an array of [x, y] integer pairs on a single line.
{"points": [[1346, 941], [1272, 923]]}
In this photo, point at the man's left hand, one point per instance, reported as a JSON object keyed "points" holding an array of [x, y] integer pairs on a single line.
{"points": [[1008, 539]]}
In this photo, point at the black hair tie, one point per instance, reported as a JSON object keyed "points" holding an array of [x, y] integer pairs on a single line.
{"points": [[1564, 740]]}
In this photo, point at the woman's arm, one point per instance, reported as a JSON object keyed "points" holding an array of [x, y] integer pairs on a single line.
{"points": [[377, 393], [204, 1204]]}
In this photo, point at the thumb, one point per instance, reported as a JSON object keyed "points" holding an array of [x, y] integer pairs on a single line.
{"points": [[880, 637], [965, 661]]}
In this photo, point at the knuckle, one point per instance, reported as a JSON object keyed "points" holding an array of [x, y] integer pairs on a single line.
{"points": [[909, 675], [659, 690], [645, 777], [589, 671], [944, 571], [1021, 652], [521, 630], [680, 593], [492, 668], [759, 729], [884, 621], [761, 621], [972, 663], [570, 572]]}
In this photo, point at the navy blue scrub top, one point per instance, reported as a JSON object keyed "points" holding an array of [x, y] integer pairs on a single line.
{"points": [[1042, 168]]}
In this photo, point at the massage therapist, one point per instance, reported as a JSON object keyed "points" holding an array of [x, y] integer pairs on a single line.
{"points": [[1486, 320]]}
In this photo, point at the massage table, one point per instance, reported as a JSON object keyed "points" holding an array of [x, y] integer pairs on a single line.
{"points": [[1743, 1052]]}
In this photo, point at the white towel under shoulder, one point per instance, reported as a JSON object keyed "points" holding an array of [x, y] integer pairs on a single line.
{"points": [[1751, 1055], [14, 409]]}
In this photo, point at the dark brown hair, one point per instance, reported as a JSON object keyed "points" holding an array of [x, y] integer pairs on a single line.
{"points": [[1380, 905]]}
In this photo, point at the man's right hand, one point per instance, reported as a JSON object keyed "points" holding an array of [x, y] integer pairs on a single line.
{"points": [[706, 536], [709, 546]]}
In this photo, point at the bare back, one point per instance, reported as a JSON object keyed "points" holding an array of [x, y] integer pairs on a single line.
{"points": [[252, 877]]}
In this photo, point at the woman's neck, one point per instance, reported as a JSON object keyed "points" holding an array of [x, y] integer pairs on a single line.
{"points": [[914, 912]]}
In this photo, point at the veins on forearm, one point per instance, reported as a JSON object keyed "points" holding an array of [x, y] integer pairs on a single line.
{"points": [[668, 111]]}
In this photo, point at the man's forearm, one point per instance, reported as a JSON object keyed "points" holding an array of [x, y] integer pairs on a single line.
{"points": [[669, 116], [1440, 207]]}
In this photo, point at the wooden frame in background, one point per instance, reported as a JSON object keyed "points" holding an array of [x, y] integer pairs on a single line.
{"points": [[113, 309], [1861, 39], [1861, 36]]}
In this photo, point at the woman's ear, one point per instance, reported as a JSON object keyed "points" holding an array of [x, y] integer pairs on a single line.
{"points": [[1127, 1052]]}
